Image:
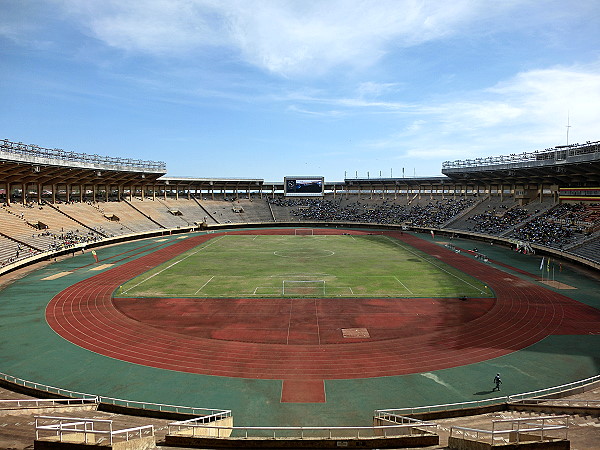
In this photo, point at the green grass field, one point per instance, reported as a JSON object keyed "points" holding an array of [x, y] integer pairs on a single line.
{"points": [[303, 266]]}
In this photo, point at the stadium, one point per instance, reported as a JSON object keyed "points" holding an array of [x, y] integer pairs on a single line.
{"points": [[305, 313]]}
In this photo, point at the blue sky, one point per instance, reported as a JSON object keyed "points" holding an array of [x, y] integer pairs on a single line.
{"points": [[270, 88]]}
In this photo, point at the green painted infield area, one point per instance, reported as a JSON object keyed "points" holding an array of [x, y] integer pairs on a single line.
{"points": [[304, 266]]}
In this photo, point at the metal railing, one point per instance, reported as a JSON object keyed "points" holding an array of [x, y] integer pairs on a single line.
{"points": [[18, 148], [45, 402], [412, 428], [45, 388], [491, 401], [558, 402], [441, 407], [526, 429], [114, 401], [80, 430], [555, 389], [191, 410], [553, 154]]}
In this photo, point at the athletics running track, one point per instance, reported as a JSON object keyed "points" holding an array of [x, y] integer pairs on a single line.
{"points": [[299, 340]]}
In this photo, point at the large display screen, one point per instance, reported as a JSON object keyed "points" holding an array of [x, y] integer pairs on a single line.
{"points": [[304, 186]]}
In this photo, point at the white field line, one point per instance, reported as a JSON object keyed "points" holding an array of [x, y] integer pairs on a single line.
{"points": [[209, 280], [434, 265], [403, 285], [211, 242]]}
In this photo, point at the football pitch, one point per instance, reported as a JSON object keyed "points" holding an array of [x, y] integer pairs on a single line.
{"points": [[255, 266]]}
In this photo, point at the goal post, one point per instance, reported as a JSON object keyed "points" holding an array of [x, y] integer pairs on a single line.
{"points": [[304, 232], [303, 288]]}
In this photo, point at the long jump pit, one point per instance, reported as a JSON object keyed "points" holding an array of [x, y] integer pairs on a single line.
{"points": [[411, 351]]}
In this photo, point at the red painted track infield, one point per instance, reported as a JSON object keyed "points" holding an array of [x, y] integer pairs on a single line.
{"points": [[300, 341]]}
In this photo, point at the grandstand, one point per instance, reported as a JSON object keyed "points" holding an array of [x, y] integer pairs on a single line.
{"points": [[55, 204]]}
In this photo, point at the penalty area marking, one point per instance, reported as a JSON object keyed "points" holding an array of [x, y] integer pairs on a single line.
{"points": [[404, 286], [211, 242], [209, 280], [267, 290]]}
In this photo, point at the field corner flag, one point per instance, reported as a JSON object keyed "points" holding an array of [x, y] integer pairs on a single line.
{"points": [[94, 255]]}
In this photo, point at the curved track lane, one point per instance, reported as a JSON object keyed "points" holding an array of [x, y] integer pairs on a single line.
{"points": [[523, 313]]}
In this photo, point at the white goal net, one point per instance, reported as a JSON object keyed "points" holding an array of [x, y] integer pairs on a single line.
{"points": [[303, 232], [303, 287]]}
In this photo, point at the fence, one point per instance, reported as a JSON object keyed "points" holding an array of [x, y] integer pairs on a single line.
{"points": [[41, 403], [555, 389], [492, 401], [526, 429], [404, 429], [72, 429], [191, 410], [45, 388], [583, 403], [206, 412], [18, 148], [442, 407]]}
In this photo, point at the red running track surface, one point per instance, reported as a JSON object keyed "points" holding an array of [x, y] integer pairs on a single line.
{"points": [[299, 340]]}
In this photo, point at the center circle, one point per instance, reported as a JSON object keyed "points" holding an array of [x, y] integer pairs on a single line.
{"points": [[307, 254]]}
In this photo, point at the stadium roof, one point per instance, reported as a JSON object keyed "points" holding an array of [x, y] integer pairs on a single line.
{"points": [[570, 165]]}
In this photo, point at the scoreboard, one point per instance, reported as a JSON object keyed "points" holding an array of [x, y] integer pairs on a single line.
{"points": [[304, 186]]}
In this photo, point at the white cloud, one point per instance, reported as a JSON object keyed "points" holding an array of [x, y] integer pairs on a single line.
{"points": [[547, 96], [286, 37], [372, 89], [326, 113], [150, 26], [524, 113]]}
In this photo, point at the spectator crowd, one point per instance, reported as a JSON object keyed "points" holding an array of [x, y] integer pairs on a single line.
{"points": [[432, 214], [497, 220]]}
